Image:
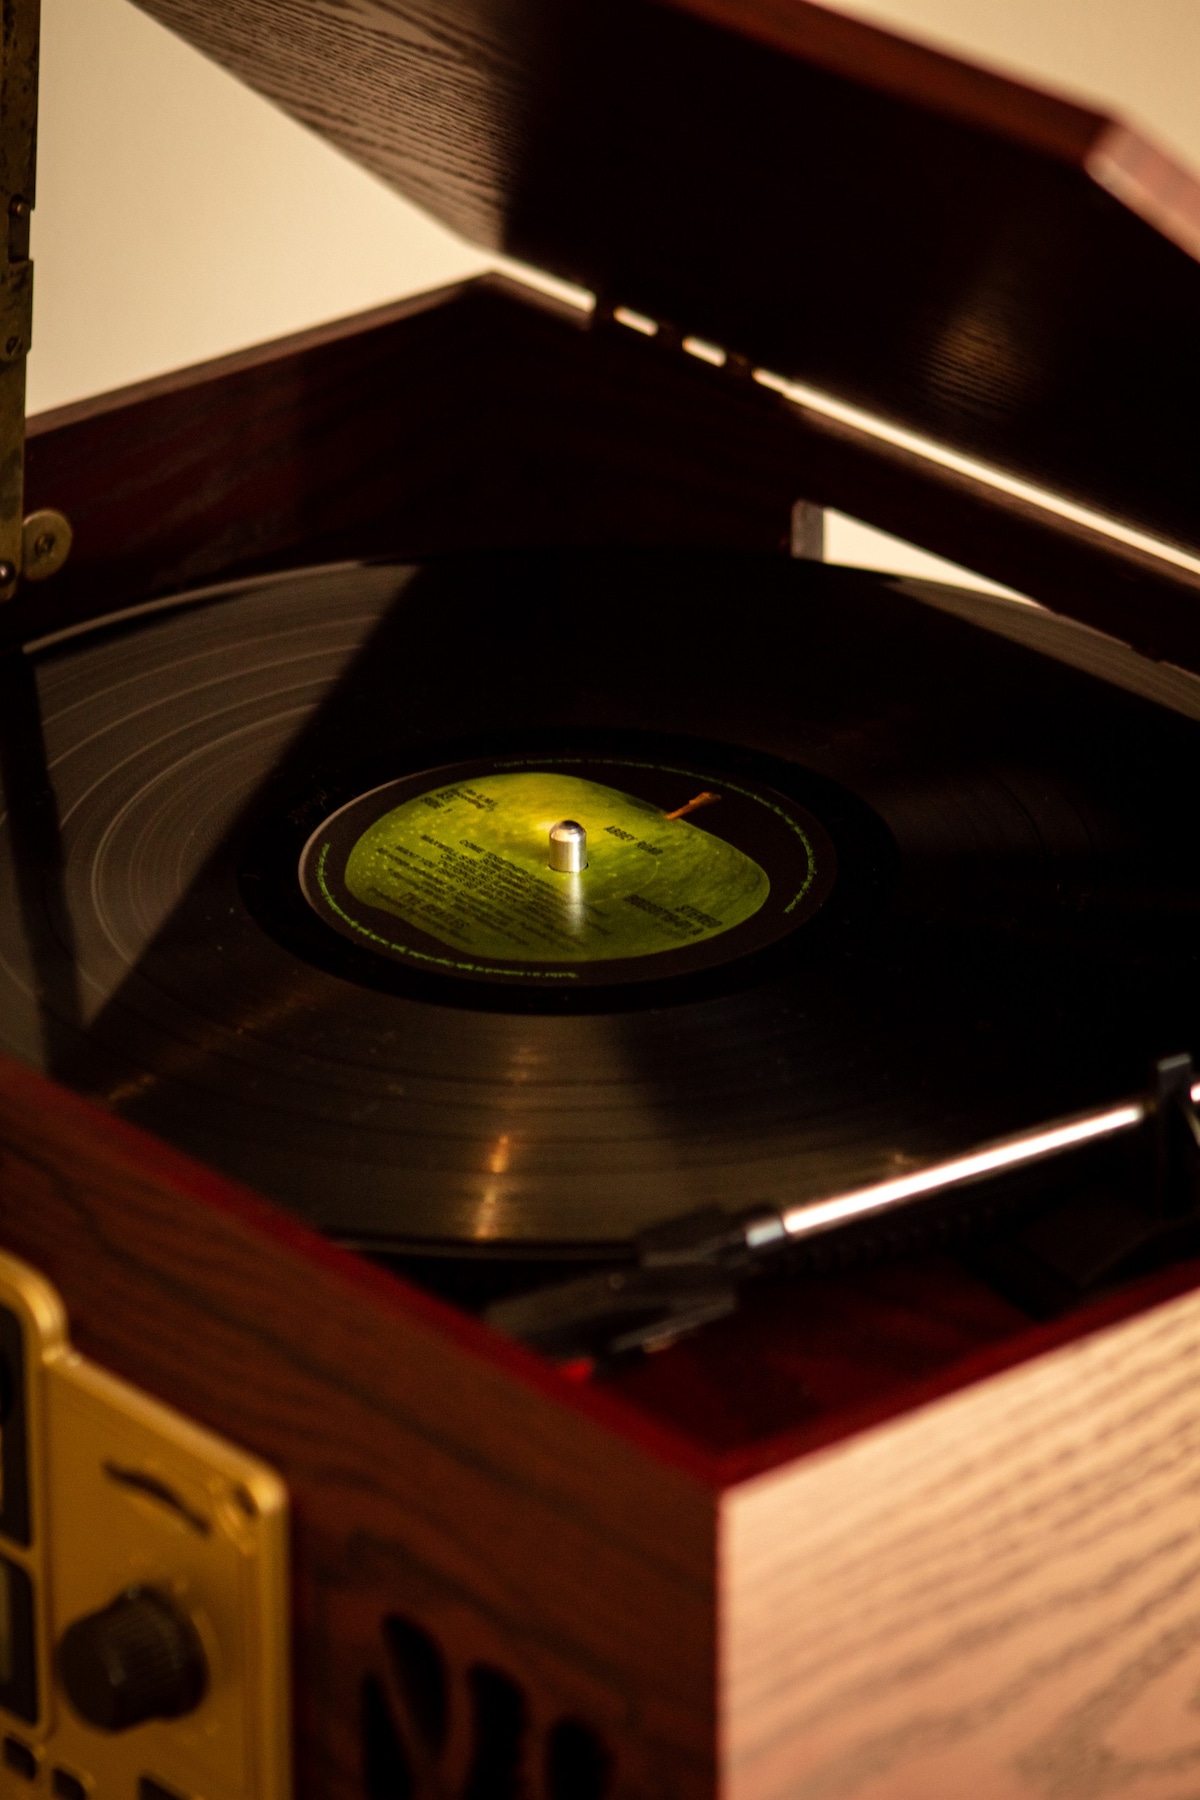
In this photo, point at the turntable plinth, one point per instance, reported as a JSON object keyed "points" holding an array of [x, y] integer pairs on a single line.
{"points": [[973, 1564], [878, 1535]]}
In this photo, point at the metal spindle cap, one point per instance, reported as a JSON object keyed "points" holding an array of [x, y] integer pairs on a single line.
{"points": [[568, 847]]}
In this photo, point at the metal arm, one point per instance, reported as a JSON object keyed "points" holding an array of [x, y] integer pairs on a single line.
{"points": [[688, 1271]]}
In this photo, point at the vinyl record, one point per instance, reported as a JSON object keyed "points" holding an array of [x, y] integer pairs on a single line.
{"points": [[947, 888]]}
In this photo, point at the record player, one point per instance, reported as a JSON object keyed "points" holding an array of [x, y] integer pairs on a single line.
{"points": [[636, 1086]]}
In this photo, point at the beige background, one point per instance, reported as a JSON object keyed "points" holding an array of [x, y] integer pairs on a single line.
{"points": [[180, 216]]}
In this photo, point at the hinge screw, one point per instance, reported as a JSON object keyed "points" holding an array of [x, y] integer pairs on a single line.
{"points": [[46, 542]]}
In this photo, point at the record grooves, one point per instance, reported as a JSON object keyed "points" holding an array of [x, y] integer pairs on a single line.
{"points": [[996, 919]]}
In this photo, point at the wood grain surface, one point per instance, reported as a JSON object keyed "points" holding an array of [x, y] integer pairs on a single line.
{"points": [[998, 1596], [485, 416], [1002, 270]]}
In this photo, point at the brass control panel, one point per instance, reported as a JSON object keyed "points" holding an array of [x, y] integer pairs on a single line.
{"points": [[143, 1585]]}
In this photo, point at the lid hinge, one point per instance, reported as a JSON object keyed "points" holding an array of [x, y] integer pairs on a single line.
{"points": [[34, 546], [806, 540]]}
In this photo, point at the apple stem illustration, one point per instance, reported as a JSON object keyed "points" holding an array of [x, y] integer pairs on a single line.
{"points": [[704, 799]]}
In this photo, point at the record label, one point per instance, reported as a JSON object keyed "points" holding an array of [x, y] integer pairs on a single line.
{"points": [[454, 870]]}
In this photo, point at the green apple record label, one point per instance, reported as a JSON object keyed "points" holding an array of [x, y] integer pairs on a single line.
{"points": [[452, 871]]}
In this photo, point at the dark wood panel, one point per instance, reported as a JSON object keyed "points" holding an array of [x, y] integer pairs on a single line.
{"points": [[462, 61], [488, 416], [462, 420], [221, 469], [910, 72], [1002, 270]]}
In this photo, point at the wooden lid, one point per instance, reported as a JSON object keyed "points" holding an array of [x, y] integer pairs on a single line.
{"points": [[1003, 271]]}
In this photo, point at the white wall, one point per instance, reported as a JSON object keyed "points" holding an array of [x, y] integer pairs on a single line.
{"points": [[180, 216]]}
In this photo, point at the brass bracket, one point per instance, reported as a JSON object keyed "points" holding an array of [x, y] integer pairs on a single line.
{"points": [[18, 165], [143, 1584], [18, 169]]}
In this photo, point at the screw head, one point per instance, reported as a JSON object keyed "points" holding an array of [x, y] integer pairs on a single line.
{"points": [[46, 542]]}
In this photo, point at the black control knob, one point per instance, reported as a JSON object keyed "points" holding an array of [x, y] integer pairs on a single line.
{"points": [[139, 1658]]}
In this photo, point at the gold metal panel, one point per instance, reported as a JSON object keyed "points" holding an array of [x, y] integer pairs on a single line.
{"points": [[125, 1493]]}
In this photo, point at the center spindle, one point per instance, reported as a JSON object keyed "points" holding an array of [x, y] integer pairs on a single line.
{"points": [[568, 847]]}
